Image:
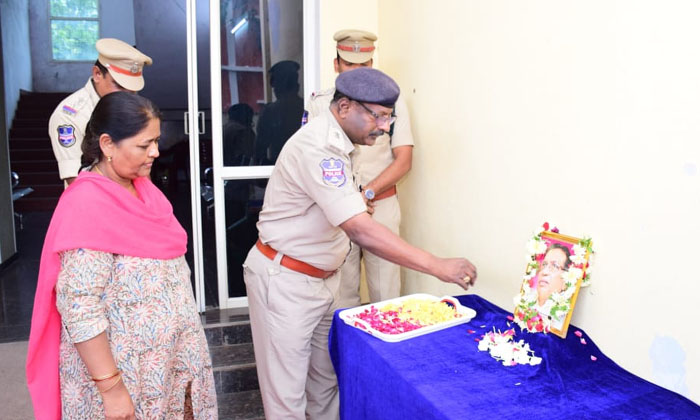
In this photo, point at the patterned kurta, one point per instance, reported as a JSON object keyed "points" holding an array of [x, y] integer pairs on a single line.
{"points": [[147, 308]]}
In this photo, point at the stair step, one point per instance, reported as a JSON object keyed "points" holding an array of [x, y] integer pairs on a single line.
{"points": [[28, 132], [49, 165], [29, 179], [28, 122], [232, 355], [243, 377], [41, 142], [237, 332], [30, 203], [44, 112], [42, 99], [48, 190], [245, 405], [17, 155]]}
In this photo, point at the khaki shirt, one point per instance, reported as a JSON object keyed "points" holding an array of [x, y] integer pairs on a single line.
{"points": [[370, 161], [310, 193], [67, 128]]}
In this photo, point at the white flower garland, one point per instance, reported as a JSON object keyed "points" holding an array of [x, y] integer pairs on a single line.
{"points": [[559, 303]]}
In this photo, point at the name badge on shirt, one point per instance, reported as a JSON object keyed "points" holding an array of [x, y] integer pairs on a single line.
{"points": [[68, 110], [333, 172], [66, 135]]}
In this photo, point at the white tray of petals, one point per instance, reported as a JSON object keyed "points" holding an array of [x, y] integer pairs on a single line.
{"points": [[407, 316]]}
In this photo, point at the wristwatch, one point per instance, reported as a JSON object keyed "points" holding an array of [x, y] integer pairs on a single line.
{"points": [[369, 194]]}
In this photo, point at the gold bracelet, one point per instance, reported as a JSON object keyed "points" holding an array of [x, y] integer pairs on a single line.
{"points": [[102, 378], [119, 379]]}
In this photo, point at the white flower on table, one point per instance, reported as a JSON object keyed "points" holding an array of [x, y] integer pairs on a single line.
{"points": [[502, 348]]}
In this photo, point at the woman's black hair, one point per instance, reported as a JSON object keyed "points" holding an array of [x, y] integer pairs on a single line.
{"points": [[120, 115]]}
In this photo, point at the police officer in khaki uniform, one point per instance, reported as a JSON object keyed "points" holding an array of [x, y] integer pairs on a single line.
{"points": [[310, 213], [376, 170], [119, 66]]}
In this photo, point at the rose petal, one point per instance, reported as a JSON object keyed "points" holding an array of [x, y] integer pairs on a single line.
{"points": [[594, 358], [578, 333], [510, 317], [471, 331], [583, 341], [477, 340]]}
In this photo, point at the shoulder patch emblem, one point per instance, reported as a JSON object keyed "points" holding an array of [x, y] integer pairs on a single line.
{"points": [[66, 135], [333, 171], [304, 118], [68, 110]]}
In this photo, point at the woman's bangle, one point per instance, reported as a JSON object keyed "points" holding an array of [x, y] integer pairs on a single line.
{"points": [[102, 378], [119, 379]]}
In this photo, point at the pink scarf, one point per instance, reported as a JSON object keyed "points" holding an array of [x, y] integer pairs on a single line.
{"points": [[98, 214]]}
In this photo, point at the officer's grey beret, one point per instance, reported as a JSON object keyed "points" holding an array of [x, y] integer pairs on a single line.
{"points": [[365, 84]]}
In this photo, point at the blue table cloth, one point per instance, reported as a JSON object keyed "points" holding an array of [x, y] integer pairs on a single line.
{"points": [[442, 375]]}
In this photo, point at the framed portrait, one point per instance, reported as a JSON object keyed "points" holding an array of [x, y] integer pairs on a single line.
{"points": [[558, 266]]}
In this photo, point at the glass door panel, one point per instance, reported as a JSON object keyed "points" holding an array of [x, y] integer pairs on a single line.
{"points": [[257, 61]]}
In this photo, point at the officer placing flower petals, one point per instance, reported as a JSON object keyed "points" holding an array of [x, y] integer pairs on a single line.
{"points": [[311, 211]]}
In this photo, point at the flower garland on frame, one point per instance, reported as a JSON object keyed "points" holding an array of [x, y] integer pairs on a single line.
{"points": [[527, 316]]}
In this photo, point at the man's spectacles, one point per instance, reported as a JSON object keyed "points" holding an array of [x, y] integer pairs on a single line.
{"points": [[380, 119], [551, 265]]}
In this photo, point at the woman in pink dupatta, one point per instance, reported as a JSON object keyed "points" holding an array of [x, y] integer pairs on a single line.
{"points": [[115, 329]]}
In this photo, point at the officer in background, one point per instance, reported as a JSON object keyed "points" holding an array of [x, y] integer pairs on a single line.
{"points": [[119, 66], [280, 119], [310, 213], [376, 170]]}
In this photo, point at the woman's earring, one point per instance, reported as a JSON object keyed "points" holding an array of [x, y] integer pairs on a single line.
{"points": [[109, 158]]}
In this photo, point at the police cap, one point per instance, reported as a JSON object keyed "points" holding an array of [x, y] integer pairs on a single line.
{"points": [[124, 62], [365, 84], [355, 46]]}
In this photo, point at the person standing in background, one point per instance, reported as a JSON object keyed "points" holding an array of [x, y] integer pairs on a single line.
{"points": [[376, 170], [119, 66], [280, 119]]}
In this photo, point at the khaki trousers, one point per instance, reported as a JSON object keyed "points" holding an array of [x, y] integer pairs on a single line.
{"points": [[383, 277], [290, 316]]}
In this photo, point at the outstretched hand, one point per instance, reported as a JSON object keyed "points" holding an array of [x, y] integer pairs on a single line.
{"points": [[459, 271]]}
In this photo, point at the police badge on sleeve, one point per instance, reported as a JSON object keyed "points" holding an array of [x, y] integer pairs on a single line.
{"points": [[333, 172], [66, 135]]}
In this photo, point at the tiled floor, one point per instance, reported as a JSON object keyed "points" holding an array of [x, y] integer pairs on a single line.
{"points": [[18, 279], [17, 285]]}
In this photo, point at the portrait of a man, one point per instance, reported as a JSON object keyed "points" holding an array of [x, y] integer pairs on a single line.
{"points": [[556, 269], [556, 261]]}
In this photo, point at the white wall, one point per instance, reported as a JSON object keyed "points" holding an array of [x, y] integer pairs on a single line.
{"points": [[583, 114], [336, 15], [15, 47], [16, 74], [117, 21]]}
